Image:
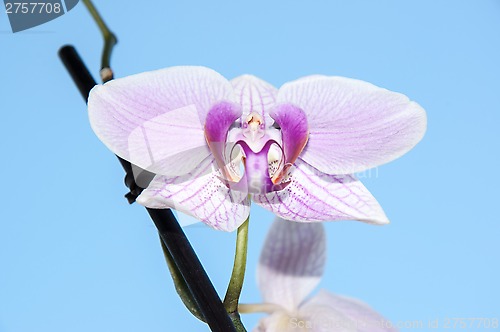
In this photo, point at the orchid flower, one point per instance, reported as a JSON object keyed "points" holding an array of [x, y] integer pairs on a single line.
{"points": [[215, 144], [291, 266]]}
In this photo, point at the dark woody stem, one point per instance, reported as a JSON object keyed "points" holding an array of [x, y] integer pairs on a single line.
{"points": [[180, 284]]}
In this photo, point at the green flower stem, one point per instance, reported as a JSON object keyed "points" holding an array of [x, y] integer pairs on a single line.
{"points": [[237, 276], [110, 41], [181, 286], [238, 325]]}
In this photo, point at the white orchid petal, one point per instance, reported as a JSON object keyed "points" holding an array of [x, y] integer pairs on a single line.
{"points": [[346, 314], [155, 119], [201, 194], [316, 196], [353, 125], [254, 95], [291, 263]]}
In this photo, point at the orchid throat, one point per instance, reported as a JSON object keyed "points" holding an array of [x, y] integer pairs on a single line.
{"points": [[253, 156]]}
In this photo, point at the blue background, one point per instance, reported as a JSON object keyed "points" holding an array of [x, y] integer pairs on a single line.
{"points": [[74, 256]]}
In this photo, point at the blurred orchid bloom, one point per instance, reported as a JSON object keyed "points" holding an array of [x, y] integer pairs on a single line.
{"points": [[215, 144], [291, 266]]}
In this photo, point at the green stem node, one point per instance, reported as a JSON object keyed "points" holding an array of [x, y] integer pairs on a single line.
{"points": [[110, 41]]}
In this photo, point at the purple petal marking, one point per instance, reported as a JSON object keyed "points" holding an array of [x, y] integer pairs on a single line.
{"points": [[330, 310], [254, 95], [155, 119], [200, 194], [353, 125], [291, 263], [219, 119], [316, 196], [294, 130]]}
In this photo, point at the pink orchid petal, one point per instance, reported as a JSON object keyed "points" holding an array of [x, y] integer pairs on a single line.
{"points": [[254, 95], [353, 125], [316, 196], [291, 263], [155, 119], [330, 312], [200, 194]]}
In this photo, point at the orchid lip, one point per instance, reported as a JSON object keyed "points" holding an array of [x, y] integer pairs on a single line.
{"points": [[256, 179]]}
